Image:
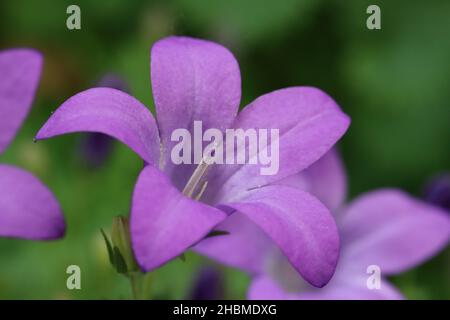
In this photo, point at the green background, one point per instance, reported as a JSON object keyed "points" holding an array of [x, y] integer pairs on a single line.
{"points": [[394, 83]]}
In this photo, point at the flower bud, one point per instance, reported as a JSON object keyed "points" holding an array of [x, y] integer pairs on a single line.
{"points": [[121, 246]]}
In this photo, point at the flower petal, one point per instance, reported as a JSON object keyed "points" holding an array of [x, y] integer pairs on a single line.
{"points": [[20, 70], [244, 247], [325, 179], [192, 80], [392, 230], [299, 225], [309, 124], [266, 288], [343, 292], [282, 282], [164, 223], [350, 282], [27, 208], [111, 112]]}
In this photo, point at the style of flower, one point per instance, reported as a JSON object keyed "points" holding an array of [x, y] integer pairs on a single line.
{"points": [[174, 206], [384, 230], [28, 209]]}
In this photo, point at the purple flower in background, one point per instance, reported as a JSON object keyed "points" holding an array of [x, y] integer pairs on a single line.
{"points": [[97, 147], [437, 191], [27, 208], [111, 80], [384, 228], [208, 285], [176, 206]]}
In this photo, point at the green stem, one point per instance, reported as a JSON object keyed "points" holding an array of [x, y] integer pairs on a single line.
{"points": [[140, 285], [134, 287], [147, 281]]}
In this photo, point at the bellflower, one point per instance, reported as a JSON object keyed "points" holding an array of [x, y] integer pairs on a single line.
{"points": [[27, 208], [175, 206], [384, 229]]}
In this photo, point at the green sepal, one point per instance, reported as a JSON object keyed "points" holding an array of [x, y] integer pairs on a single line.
{"points": [[119, 261], [108, 247]]}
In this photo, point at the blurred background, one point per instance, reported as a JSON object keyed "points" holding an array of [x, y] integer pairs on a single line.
{"points": [[393, 82]]}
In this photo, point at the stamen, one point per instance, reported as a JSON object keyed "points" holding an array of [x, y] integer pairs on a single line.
{"points": [[199, 173], [202, 189], [194, 180]]}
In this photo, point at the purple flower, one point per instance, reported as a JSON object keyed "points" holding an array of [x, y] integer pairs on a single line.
{"points": [[96, 147], [197, 80], [27, 208], [384, 228]]}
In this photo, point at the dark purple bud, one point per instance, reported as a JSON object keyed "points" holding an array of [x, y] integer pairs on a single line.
{"points": [[96, 147], [437, 191], [114, 81], [208, 285]]}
